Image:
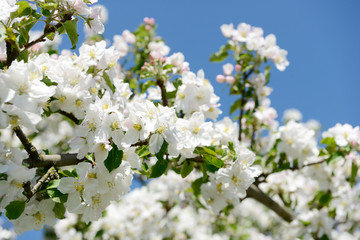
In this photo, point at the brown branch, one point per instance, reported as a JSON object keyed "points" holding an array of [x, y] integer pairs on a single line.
{"points": [[30, 149], [161, 84], [66, 159], [256, 193], [140, 143], [70, 116]]}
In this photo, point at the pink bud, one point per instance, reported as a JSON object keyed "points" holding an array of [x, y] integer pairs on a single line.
{"points": [[230, 79], [151, 21], [220, 78], [237, 67], [146, 20], [148, 28]]}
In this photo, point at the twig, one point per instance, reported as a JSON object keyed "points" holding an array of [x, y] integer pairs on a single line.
{"points": [[70, 116], [243, 101], [161, 84], [49, 174], [30, 149], [256, 193]]}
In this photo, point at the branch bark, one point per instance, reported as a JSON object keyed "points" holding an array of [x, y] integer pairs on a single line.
{"points": [[161, 84], [256, 193], [30, 149], [66, 159]]}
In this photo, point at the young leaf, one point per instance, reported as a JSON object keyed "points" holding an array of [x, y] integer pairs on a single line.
{"points": [[59, 210], [161, 165], [186, 168], [108, 81], [71, 30], [14, 209], [114, 158]]}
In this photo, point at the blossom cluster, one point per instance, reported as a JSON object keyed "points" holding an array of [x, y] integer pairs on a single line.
{"points": [[254, 40]]}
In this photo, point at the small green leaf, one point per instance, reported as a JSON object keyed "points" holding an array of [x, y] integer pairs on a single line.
{"points": [[56, 195], [187, 168], [325, 199], [14, 209], [143, 151], [23, 10], [235, 106], [161, 165], [214, 161], [59, 210], [336, 156], [53, 184], [354, 170], [196, 186], [71, 30], [114, 158], [108, 81], [218, 57], [267, 75]]}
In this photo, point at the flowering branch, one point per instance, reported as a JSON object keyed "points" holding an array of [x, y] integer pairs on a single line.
{"points": [[256, 193]]}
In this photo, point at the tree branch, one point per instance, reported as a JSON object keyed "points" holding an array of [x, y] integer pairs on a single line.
{"points": [[256, 193], [50, 173], [70, 116], [161, 84], [30, 149], [66, 159]]}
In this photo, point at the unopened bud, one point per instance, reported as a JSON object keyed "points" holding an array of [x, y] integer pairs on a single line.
{"points": [[220, 78], [230, 79]]}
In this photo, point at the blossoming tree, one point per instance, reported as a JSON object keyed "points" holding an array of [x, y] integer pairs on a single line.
{"points": [[77, 128]]}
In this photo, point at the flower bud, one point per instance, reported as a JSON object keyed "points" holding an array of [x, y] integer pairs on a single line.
{"points": [[238, 67], [230, 79], [220, 78]]}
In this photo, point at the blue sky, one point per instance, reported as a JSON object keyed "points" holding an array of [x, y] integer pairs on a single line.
{"points": [[322, 38]]}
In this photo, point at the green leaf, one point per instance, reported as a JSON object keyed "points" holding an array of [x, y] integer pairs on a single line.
{"points": [[143, 151], [23, 10], [267, 75], [23, 56], [108, 81], [56, 195], [336, 156], [53, 184], [114, 158], [235, 106], [325, 199], [218, 57], [196, 186], [71, 30], [59, 210], [14, 209], [161, 165], [186, 168], [67, 173], [214, 161], [210, 151], [354, 170]]}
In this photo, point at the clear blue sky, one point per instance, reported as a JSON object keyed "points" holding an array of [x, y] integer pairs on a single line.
{"points": [[322, 38]]}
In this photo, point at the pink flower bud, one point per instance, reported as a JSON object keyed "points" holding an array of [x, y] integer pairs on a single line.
{"points": [[148, 28], [151, 21], [220, 78], [146, 20], [237, 67], [230, 79]]}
